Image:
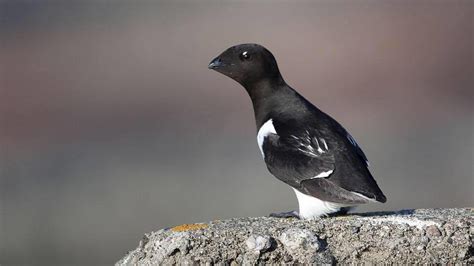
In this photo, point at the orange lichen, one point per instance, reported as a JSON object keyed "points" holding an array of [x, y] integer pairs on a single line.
{"points": [[188, 227]]}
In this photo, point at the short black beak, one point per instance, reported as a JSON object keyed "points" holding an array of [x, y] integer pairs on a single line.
{"points": [[217, 62]]}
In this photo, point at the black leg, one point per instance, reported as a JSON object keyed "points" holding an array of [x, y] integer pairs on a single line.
{"points": [[343, 211]]}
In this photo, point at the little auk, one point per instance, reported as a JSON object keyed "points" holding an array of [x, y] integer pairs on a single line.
{"points": [[300, 144]]}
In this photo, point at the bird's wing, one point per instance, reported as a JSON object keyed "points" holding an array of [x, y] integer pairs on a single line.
{"points": [[306, 161], [300, 157], [357, 147]]}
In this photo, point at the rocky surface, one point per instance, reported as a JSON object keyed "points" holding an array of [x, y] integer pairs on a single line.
{"points": [[409, 236]]}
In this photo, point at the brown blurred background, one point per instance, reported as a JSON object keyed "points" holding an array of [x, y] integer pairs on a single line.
{"points": [[112, 125]]}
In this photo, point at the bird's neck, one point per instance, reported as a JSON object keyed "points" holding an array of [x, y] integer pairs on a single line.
{"points": [[268, 95]]}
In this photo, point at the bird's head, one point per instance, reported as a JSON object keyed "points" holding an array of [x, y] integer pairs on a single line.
{"points": [[246, 64]]}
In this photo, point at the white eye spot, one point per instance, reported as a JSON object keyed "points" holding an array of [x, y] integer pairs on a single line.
{"points": [[245, 55]]}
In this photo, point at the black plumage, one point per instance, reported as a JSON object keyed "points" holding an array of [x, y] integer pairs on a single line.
{"points": [[301, 145]]}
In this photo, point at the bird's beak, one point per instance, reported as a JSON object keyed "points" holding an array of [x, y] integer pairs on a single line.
{"points": [[216, 63]]}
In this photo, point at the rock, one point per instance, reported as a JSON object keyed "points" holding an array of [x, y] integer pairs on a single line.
{"points": [[432, 231], [259, 243], [405, 237], [297, 239], [161, 248], [304, 246]]}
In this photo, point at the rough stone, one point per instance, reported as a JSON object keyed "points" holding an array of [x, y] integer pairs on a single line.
{"points": [[304, 246], [404, 237], [432, 231], [259, 243], [296, 239]]}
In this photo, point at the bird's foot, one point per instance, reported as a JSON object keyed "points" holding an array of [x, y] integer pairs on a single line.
{"points": [[341, 214], [290, 214]]}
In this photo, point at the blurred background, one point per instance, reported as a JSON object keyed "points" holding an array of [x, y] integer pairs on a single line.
{"points": [[112, 125]]}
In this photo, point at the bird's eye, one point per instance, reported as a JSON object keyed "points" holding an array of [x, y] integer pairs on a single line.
{"points": [[244, 56]]}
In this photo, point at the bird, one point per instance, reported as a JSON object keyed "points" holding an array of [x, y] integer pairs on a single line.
{"points": [[301, 145]]}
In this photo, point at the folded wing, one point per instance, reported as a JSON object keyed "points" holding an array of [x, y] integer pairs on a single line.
{"points": [[307, 161]]}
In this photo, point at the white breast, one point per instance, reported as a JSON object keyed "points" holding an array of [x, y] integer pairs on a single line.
{"points": [[266, 129], [311, 207]]}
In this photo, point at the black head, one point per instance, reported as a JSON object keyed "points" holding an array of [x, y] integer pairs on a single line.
{"points": [[246, 64]]}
